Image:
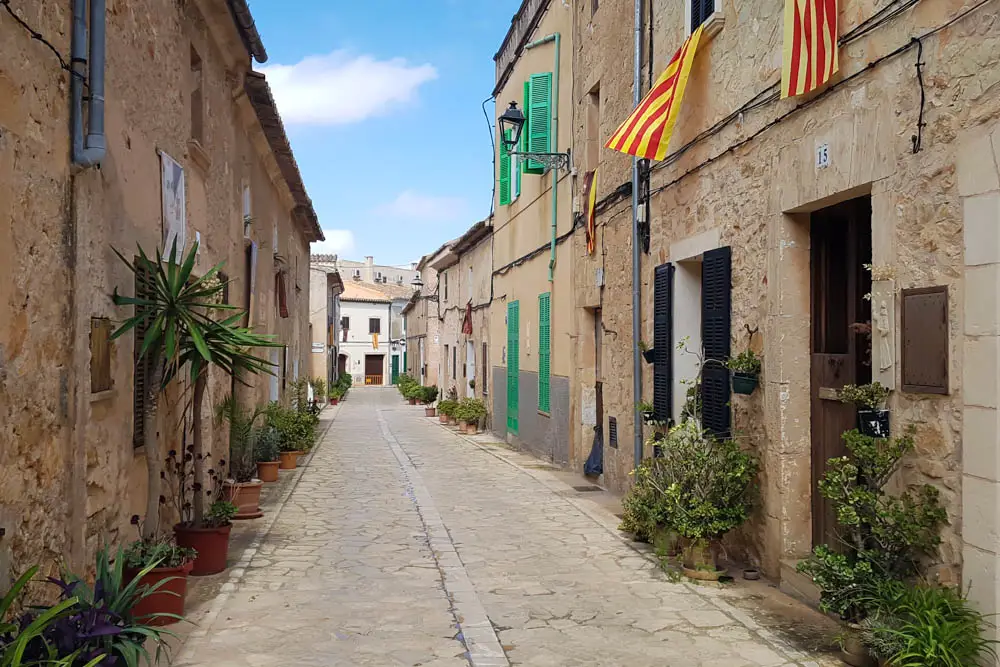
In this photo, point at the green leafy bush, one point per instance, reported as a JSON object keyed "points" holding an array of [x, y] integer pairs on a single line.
{"points": [[643, 507], [871, 396], [268, 444], [319, 388], [884, 536], [470, 410], [157, 552], [746, 362], [428, 394], [924, 626], [297, 430], [447, 407]]}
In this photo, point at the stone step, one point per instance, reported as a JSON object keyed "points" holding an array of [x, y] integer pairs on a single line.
{"points": [[798, 585]]}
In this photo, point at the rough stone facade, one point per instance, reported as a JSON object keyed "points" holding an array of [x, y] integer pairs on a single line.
{"points": [[423, 329], [752, 184], [71, 476]]}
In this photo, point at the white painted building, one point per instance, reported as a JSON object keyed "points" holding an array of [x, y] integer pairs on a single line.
{"points": [[372, 330]]}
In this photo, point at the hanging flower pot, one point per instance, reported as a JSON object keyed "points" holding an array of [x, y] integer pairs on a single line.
{"points": [[874, 423], [167, 599], [212, 545], [649, 355], [246, 497], [648, 416], [744, 383]]}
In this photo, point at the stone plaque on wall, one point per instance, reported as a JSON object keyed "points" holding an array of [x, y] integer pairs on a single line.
{"points": [[884, 333], [925, 340]]}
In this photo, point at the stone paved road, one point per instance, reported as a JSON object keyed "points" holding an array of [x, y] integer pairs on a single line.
{"points": [[404, 544]]}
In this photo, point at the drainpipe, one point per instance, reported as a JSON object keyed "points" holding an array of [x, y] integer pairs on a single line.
{"points": [[636, 362], [89, 152], [553, 142]]}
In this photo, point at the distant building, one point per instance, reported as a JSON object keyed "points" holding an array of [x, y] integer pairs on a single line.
{"points": [[368, 271], [372, 342]]}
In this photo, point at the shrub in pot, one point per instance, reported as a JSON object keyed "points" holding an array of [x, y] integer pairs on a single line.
{"points": [[647, 411], [446, 410], [469, 413], [162, 567], [319, 388], [242, 488], [297, 432], [869, 399], [266, 451], [706, 488], [745, 371], [208, 535]]}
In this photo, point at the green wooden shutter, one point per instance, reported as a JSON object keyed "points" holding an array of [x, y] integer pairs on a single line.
{"points": [[539, 125], [504, 171], [544, 351], [513, 365]]}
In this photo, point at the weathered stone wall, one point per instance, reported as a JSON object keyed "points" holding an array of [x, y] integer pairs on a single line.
{"points": [[749, 198], [62, 497]]}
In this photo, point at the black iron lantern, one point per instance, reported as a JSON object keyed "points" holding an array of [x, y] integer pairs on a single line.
{"points": [[512, 122]]}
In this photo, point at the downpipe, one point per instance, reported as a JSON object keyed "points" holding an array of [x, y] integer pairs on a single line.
{"points": [[636, 322], [88, 59], [553, 143]]}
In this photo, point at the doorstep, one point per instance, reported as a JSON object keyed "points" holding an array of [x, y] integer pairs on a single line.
{"points": [[796, 584]]}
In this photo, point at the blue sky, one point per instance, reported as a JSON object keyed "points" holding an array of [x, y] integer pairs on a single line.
{"points": [[382, 102]]}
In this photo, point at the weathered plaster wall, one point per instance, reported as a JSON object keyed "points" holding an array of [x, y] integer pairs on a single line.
{"points": [[748, 196]]}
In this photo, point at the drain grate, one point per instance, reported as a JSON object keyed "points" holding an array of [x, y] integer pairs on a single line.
{"points": [[587, 489]]}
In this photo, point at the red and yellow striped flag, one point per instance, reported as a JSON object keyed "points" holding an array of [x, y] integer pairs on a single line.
{"points": [[590, 194], [646, 133], [810, 49]]}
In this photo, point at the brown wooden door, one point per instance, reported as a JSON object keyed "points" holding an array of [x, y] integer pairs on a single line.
{"points": [[841, 245], [373, 369]]}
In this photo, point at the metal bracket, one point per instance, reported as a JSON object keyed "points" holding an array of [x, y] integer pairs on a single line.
{"points": [[549, 160]]}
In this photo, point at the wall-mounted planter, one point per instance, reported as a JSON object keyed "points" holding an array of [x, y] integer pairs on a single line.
{"points": [[648, 417], [874, 423], [744, 383], [649, 355]]}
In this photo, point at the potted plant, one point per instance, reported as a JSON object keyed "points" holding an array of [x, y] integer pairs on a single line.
{"points": [[427, 396], [745, 371], [887, 536], [470, 411], [319, 388], [706, 487], [266, 451], [445, 408], [161, 567], [647, 411], [296, 430], [869, 399], [242, 488], [648, 353]]}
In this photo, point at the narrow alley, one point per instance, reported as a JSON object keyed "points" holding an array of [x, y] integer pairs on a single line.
{"points": [[406, 544]]}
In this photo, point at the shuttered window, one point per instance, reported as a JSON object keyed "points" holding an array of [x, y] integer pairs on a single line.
{"points": [[140, 368], [504, 168], [544, 351], [100, 354], [513, 365], [663, 341], [716, 299], [539, 119], [701, 11], [374, 325], [486, 372]]}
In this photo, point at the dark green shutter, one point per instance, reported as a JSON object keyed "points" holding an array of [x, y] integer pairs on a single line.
{"points": [[716, 301], [504, 168], [663, 346], [539, 125], [513, 365], [544, 351]]}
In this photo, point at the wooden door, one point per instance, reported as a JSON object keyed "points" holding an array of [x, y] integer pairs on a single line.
{"points": [[841, 245], [374, 363]]}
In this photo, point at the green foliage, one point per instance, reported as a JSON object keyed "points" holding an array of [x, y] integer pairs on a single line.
{"points": [[643, 509], [242, 431], [871, 396], [298, 392], [297, 430], [319, 388], [705, 485], [407, 385], [645, 406], [885, 536], [220, 513], [447, 407], [470, 410], [160, 551], [925, 626], [428, 394], [691, 409], [267, 441], [746, 362]]}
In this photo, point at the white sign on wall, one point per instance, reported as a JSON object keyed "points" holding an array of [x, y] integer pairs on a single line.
{"points": [[174, 214], [319, 348]]}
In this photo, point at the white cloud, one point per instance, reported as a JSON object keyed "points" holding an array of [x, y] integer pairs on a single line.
{"points": [[338, 242], [410, 205], [338, 88]]}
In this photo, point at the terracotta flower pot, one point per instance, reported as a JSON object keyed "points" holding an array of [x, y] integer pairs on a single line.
{"points": [[288, 460], [471, 428], [413, 401], [452, 420], [167, 599], [246, 497], [212, 545], [443, 419], [699, 561], [334, 401], [267, 471], [853, 650], [430, 412]]}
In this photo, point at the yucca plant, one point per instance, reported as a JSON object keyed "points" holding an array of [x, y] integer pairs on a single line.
{"points": [[182, 337]]}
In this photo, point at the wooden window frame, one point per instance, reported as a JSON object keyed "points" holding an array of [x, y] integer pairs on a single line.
{"points": [[375, 325], [101, 379]]}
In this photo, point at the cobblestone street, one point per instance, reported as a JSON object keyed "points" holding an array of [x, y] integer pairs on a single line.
{"points": [[405, 544]]}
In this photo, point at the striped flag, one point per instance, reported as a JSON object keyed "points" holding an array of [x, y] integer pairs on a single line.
{"points": [[590, 194], [646, 133], [810, 48]]}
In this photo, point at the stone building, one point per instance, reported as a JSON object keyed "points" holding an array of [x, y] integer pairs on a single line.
{"points": [[423, 328], [372, 344], [179, 100], [325, 288], [368, 271], [761, 219], [531, 317]]}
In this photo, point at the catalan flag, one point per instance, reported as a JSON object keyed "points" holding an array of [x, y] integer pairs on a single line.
{"points": [[646, 133], [810, 48], [590, 194]]}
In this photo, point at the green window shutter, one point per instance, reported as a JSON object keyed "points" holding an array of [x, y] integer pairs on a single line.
{"points": [[504, 171], [513, 365], [539, 125], [544, 350]]}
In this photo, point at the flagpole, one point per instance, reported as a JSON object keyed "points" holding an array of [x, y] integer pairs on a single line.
{"points": [[636, 320]]}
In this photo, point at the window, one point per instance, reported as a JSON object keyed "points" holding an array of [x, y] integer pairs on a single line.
{"points": [[374, 325], [454, 362], [100, 354], [701, 11], [197, 99], [224, 280], [445, 360], [274, 238], [140, 368], [444, 277], [593, 7], [538, 119], [485, 373], [469, 289], [504, 168], [544, 351], [247, 209]]}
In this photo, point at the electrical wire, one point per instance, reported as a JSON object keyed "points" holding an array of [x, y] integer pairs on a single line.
{"points": [[493, 150], [63, 63]]}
